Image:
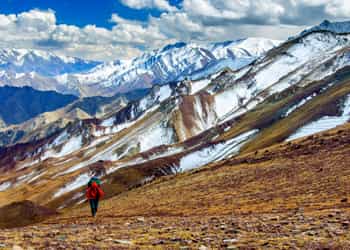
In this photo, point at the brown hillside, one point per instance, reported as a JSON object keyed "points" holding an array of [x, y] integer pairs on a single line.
{"points": [[289, 196], [19, 214]]}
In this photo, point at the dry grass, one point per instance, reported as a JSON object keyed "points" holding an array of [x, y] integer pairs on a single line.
{"points": [[291, 195]]}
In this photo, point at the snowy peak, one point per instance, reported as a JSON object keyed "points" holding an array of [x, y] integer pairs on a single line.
{"points": [[43, 70], [174, 62], [175, 45], [41, 62], [249, 47], [336, 27]]}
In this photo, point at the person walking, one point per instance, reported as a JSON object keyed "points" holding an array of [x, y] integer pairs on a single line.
{"points": [[94, 193]]}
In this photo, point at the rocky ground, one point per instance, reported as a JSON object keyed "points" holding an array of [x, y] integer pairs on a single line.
{"points": [[327, 229]]}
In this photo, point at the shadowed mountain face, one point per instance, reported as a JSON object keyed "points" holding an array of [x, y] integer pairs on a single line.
{"points": [[21, 104]]}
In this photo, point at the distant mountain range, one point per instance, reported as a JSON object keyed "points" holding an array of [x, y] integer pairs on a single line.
{"points": [[67, 75], [46, 64], [45, 71]]}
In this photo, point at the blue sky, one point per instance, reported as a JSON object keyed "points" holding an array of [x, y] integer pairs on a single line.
{"points": [[122, 29], [82, 12]]}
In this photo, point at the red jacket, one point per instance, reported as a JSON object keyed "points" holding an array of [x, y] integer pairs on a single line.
{"points": [[94, 192]]}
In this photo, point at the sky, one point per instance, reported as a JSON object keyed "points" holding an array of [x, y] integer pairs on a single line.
{"points": [[122, 29]]}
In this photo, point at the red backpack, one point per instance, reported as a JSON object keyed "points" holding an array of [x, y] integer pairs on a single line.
{"points": [[94, 191]]}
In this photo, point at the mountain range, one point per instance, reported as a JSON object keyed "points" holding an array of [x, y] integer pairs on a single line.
{"points": [[45, 71], [183, 109]]}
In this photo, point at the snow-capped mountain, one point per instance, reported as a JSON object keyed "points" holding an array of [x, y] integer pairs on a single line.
{"points": [[336, 27], [36, 69], [171, 63], [296, 89], [46, 71], [46, 64]]}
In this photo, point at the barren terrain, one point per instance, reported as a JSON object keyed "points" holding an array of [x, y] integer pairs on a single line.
{"points": [[291, 195]]}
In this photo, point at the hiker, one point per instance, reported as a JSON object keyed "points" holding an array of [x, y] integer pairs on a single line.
{"points": [[94, 192]]}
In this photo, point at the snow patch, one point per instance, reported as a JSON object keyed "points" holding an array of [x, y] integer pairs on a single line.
{"points": [[196, 86], [164, 93], [108, 122], [81, 180], [37, 177], [28, 164], [72, 145], [324, 123], [81, 201], [215, 152], [19, 75], [298, 105], [5, 185], [231, 99], [156, 136]]}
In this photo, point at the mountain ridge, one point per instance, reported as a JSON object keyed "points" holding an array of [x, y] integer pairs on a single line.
{"points": [[88, 78], [337, 27]]}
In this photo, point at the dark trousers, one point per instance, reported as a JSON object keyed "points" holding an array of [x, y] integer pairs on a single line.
{"points": [[94, 206]]}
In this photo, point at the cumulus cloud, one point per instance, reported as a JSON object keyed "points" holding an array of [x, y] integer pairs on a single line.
{"points": [[193, 21], [262, 11], [38, 29], [149, 4]]}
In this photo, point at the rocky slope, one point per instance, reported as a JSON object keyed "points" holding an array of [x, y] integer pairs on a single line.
{"points": [[48, 123], [291, 195], [45, 71]]}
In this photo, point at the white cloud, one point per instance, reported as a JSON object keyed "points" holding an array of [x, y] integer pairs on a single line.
{"points": [[38, 29], [235, 9], [149, 4], [338, 8]]}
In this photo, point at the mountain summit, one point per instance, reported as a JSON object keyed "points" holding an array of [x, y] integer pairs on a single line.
{"points": [[336, 27]]}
